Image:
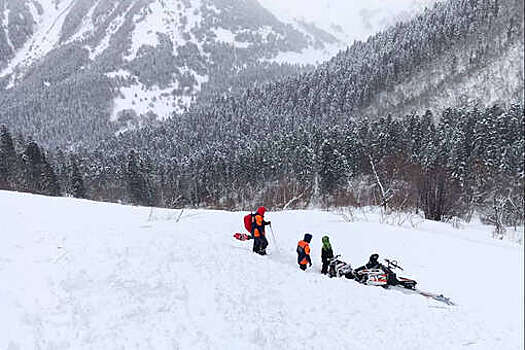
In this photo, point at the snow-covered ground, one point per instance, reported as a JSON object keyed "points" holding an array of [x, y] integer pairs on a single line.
{"points": [[83, 275]]}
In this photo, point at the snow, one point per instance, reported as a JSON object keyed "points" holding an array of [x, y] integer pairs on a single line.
{"points": [[121, 73], [227, 36], [111, 30], [5, 26], [309, 55], [143, 100], [163, 17], [84, 275], [148, 25], [86, 28], [45, 38]]}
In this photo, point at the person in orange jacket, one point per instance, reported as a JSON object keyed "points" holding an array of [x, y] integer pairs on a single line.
{"points": [[303, 252], [258, 231]]}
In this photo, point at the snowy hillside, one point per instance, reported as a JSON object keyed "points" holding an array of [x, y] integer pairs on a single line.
{"points": [[86, 275]]}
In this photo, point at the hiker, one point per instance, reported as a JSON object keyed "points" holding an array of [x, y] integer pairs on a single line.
{"points": [[303, 252], [258, 231], [326, 254]]}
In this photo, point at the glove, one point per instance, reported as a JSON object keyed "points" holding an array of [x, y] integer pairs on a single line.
{"points": [[269, 223]]}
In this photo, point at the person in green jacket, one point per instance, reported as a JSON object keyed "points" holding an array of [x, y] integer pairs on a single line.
{"points": [[326, 254]]}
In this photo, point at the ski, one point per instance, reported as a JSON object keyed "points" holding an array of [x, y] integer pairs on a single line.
{"points": [[434, 296], [437, 297]]}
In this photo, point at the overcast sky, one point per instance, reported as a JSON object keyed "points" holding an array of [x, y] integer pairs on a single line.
{"points": [[357, 18]]}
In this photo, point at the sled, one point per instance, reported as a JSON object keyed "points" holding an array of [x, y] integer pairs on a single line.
{"points": [[242, 236]]}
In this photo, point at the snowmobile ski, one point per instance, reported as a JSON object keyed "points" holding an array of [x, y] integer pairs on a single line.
{"points": [[437, 297], [434, 296]]}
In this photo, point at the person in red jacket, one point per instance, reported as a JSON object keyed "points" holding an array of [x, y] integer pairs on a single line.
{"points": [[258, 231], [303, 252]]}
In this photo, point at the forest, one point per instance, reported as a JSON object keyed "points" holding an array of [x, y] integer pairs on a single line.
{"points": [[469, 160]]}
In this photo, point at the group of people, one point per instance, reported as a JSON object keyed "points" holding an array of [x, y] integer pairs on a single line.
{"points": [[258, 232]]}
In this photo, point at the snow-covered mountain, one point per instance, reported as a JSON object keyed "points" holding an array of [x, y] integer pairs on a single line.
{"points": [[32, 28], [84, 275], [157, 54], [151, 57]]}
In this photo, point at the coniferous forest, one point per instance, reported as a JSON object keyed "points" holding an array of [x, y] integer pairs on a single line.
{"points": [[452, 165]]}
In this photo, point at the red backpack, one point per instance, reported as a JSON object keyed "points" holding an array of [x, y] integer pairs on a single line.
{"points": [[248, 219]]}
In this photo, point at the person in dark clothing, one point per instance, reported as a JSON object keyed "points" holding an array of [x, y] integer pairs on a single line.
{"points": [[326, 254], [373, 263], [303, 252], [258, 231]]}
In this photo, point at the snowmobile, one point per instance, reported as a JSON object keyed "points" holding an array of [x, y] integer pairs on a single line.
{"points": [[384, 276], [339, 268]]}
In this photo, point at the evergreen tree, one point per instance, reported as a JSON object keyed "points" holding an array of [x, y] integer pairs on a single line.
{"points": [[138, 190], [50, 185], [331, 168], [8, 160], [76, 186], [33, 161]]}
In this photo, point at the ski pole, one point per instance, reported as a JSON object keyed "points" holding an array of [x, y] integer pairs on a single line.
{"points": [[274, 240]]}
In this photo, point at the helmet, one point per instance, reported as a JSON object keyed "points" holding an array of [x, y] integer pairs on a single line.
{"points": [[374, 257], [325, 239], [307, 237], [261, 211]]}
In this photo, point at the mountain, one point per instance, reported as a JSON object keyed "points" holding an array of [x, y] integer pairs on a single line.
{"points": [[459, 53], [454, 54], [107, 276], [417, 96], [67, 67]]}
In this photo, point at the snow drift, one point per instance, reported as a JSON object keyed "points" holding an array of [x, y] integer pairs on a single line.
{"points": [[84, 275]]}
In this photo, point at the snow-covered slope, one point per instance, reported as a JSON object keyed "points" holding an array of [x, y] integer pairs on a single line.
{"points": [[85, 275]]}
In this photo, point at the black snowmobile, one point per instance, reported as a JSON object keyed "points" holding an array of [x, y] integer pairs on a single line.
{"points": [[377, 274], [383, 275], [339, 268]]}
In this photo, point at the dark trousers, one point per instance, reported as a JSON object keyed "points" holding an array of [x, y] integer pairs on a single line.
{"points": [[324, 269], [259, 244], [302, 267]]}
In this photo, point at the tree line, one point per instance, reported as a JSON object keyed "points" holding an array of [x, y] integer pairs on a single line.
{"points": [[468, 160]]}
